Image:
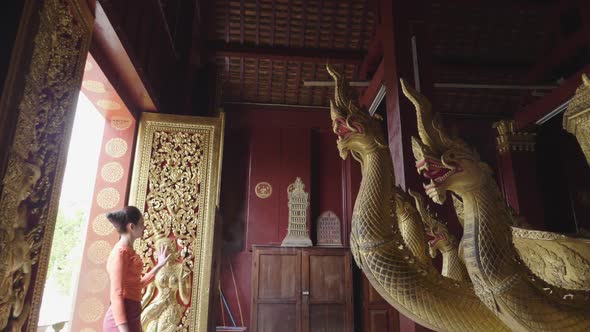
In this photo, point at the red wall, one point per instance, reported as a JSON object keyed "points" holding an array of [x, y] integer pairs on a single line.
{"points": [[274, 147]]}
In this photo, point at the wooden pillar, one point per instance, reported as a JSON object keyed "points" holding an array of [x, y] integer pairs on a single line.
{"points": [[110, 192], [517, 173], [405, 55]]}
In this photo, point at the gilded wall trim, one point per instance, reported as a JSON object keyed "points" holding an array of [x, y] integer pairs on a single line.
{"points": [[176, 184], [576, 118], [509, 139], [31, 184]]}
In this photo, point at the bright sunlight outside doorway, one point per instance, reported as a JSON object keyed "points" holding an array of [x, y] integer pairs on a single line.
{"points": [[72, 218]]}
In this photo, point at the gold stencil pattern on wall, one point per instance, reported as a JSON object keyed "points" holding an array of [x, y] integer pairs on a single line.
{"points": [[120, 124], [98, 252], [108, 198], [91, 310], [116, 147], [94, 86], [102, 226], [97, 280], [112, 172], [87, 329], [108, 105], [89, 66]]}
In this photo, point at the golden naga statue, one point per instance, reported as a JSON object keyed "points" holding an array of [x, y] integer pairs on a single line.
{"points": [[163, 313], [389, 255], [18, 248], [501, 279], [443, 241]]}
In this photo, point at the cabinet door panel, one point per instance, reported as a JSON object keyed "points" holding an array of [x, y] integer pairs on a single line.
{"points": [[327, 318], [274, 317], [276, 290], [278, 277], [326, 282], [327, 290]]}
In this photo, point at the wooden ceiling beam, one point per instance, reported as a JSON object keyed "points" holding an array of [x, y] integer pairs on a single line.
{"points": [[315, 55]]}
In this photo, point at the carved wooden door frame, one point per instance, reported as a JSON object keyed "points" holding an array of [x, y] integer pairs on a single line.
{"points": [[42, 88]]}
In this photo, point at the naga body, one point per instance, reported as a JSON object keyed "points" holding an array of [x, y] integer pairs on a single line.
{"points": [[501, 279], [395, 269]]}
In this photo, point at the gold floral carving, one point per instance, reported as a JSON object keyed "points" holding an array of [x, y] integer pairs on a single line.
{"points": [[576, 118], [175, 181], [94, 86], [108, 198], [45, 106], [112, 172], [102, 226], [98, 252], [120, 124], [116, 147], [509, 139], [98, 280], [556, 258], [91, 310]]}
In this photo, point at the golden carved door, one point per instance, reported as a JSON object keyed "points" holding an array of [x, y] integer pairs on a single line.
{"points": [[176, 183]]}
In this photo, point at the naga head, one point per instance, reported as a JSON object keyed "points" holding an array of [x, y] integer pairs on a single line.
{"points": [[358, 132], [440, 238], [448, 163]]}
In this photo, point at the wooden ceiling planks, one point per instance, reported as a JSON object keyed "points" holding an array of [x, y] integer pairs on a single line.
{"points": [[273, 46], [269, 47]]}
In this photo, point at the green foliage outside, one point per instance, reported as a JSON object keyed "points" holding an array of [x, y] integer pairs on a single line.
{"points": [[66, 245]]}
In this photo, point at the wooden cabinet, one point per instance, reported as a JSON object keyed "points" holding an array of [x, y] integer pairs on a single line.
{"points": [[378, 315], [301, 290]]}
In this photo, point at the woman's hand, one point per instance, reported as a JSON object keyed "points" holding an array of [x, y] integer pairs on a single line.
{"points": [[162, 258]]}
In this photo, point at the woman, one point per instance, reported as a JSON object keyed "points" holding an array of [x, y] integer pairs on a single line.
{"points": [[124, 267]]}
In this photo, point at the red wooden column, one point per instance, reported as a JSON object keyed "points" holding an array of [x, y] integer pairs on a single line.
{"points": [[405, 55], [110, 193], [517, 173]]}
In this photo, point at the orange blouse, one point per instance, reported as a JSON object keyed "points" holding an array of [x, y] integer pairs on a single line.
{"points": [[124, 267]]}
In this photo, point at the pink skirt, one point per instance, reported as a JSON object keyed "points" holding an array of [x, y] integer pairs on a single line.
{"points": [[133, 313]]}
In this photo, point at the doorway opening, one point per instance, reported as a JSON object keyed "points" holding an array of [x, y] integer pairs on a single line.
{"points": [[95, 182], [72, 216]]}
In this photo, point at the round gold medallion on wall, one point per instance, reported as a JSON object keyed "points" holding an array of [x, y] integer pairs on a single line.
{"points": [[108, 198], [112, 172], [98, 252], [120, 124], [97, 280], [116, 147], [102, 226], [263, 189], [91, 310]]}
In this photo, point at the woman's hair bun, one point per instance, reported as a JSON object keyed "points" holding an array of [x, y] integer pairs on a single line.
{"points": [[120, 218]]}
